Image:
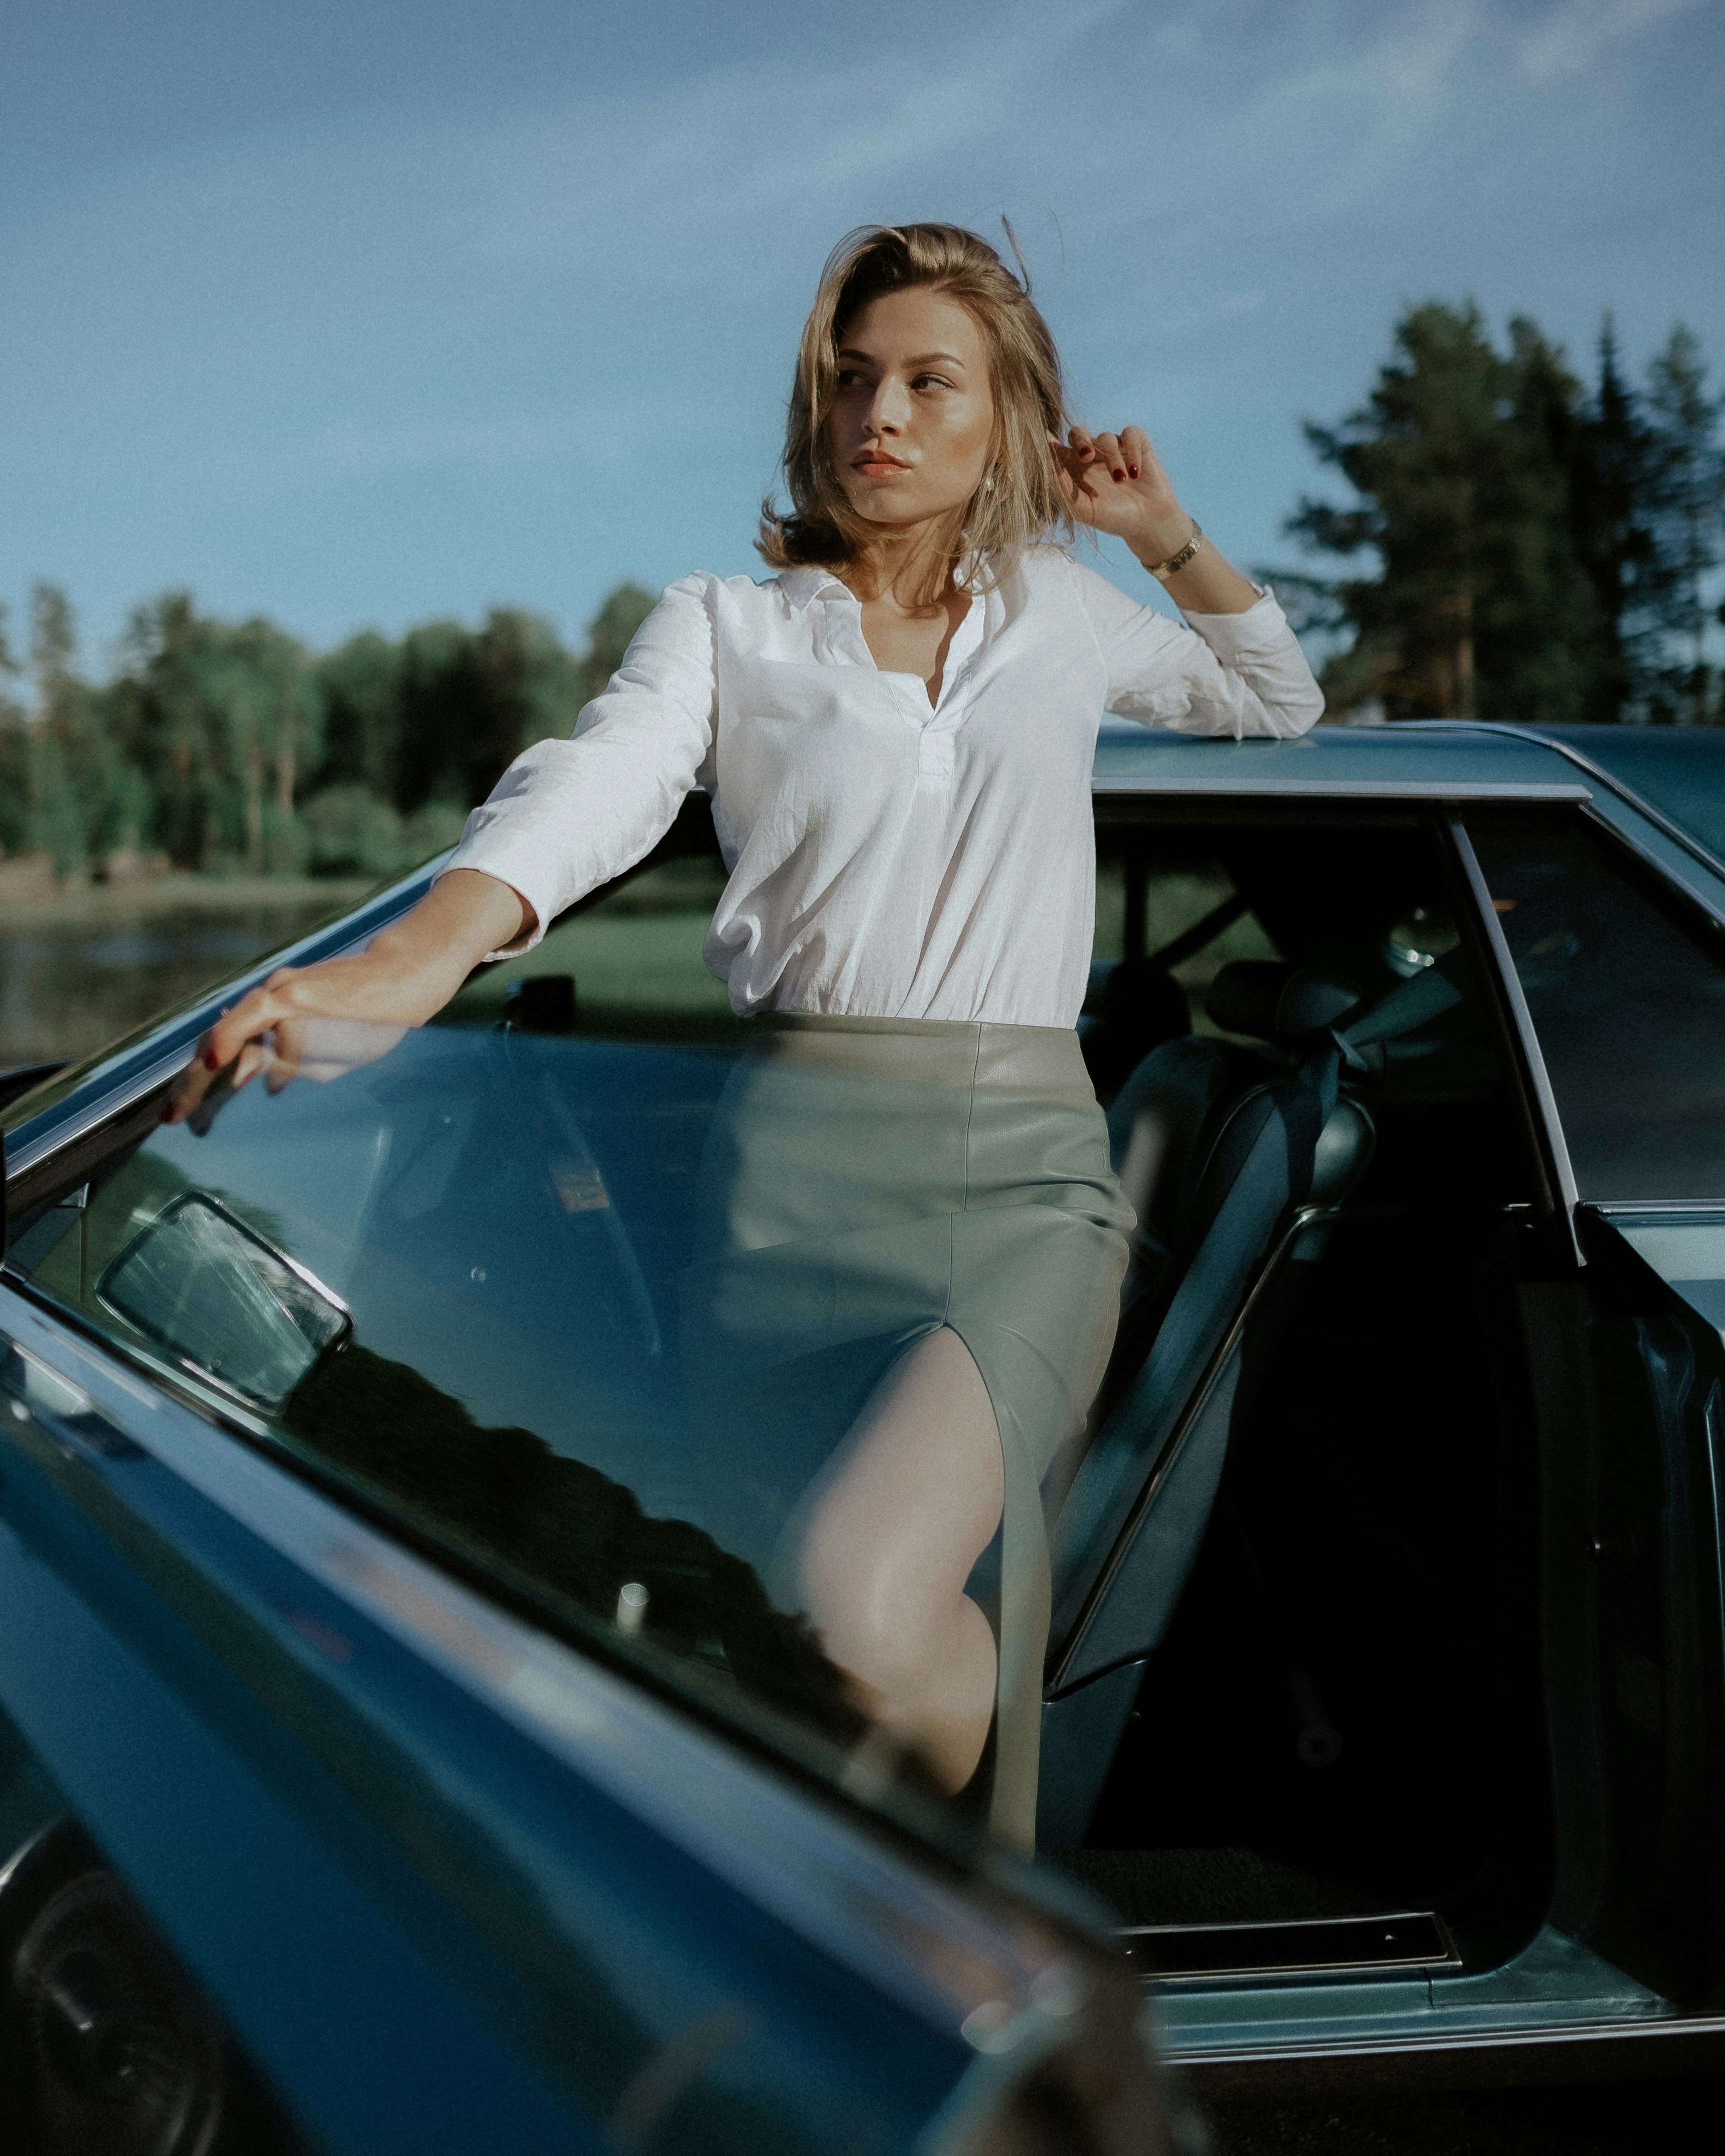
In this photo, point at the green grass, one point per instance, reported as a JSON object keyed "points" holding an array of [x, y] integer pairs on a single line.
{"points": [[639, 973], [636, 960]]}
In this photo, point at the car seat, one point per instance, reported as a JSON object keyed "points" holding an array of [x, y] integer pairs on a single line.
{"points": [[1235, 1159]]}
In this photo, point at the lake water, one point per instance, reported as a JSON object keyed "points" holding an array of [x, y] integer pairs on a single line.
{"points": [[68, 985]]}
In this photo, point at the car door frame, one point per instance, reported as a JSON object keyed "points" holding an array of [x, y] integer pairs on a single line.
{"points": [[1565, 1989], [1630, 1385]]}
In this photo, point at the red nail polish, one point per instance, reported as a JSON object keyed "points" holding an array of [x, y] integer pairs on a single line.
{"points": [[211, 1060], [1118, 472], [1134, 471]]}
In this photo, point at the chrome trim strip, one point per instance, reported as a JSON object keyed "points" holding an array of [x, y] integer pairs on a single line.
{"points": [[1712, 908], [922, 1943], [97, 1112], [1342, 789], [1269, 1972], [1532, 1058], [1472, 2040], [1679, 1208], [174, 1059], [1624, 793]]}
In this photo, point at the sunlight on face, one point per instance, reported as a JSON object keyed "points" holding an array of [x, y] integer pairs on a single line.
{"points": [[912, 424]]}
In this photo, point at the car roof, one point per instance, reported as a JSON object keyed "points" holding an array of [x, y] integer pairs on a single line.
{"points": [[1673, 775], [1680, 770], [1433, 762]]}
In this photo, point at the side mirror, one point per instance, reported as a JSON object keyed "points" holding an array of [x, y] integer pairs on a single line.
{"points": [[224, 1302]]}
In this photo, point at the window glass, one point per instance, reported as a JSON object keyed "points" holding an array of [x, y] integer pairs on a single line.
{"points": [[449, 1280], [1628, 1000], [1152, 899]]}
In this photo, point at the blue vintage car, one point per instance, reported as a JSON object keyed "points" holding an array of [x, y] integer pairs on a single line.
{"points": [[396, 1753]]}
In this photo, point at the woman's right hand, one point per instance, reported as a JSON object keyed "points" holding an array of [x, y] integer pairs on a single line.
{"points": [[404, 976]]}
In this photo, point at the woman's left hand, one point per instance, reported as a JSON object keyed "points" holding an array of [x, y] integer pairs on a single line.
{"points": [[1115, 483]]}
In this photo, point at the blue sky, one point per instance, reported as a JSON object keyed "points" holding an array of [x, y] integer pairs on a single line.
{"points": [[358, 314]]}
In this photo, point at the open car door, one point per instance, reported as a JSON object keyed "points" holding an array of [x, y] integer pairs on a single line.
{"points": [[1613, 980]]}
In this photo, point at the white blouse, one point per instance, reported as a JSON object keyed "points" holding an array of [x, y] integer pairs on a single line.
{"points": [[887, 859]]}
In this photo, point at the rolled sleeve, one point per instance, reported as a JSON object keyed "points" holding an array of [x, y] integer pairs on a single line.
{"points": [[568, 815], [1231, 674]]}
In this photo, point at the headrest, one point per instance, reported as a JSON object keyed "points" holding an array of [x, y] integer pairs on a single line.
{"points": [[1266, 1001]]}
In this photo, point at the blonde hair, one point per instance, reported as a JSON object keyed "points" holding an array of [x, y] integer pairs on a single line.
{"points": [[1020, 499]]}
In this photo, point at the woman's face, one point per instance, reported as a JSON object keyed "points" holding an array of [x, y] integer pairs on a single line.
{"points": [[912, 424]]}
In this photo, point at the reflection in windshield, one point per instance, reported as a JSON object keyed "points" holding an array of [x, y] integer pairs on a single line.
{"points": [[549, 1522], [499, 1225], [223, 1300]]}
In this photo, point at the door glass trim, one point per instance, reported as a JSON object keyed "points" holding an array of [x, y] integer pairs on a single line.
{"points": [[1710, 909], [1528, 1052], [1626, 792], [1699, 1210], [80, 1123]]}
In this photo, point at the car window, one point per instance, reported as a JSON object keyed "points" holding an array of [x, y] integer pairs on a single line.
{"points": [[1627, 996], [1154, 897]]}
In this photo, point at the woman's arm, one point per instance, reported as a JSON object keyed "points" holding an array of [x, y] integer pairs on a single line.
{"points": [[569, 815], [403, 977], [566, 816], [1243, 672], [1116, 483]]}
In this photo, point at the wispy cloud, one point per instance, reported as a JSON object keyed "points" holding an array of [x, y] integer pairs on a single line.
{"points": [[742, 155], [1574, 34]]}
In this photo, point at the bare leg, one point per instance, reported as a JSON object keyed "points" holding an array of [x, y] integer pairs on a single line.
{"points": [[906, 1507]]}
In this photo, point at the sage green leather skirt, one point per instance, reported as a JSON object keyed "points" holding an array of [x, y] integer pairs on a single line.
{"points": [[865, 1182]]}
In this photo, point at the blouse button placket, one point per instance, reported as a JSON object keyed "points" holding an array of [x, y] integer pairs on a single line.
{"points": [[934, 754]]}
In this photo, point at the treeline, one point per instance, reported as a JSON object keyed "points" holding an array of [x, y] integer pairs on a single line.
{"points": [[229, 747], [1533, 548]]}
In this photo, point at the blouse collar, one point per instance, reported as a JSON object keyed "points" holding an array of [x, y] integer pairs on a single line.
{"points": [[802, 585]]}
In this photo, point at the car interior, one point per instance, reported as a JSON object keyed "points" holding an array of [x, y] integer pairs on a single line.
{"points": [[1321, 1705], [1293, 1706]]}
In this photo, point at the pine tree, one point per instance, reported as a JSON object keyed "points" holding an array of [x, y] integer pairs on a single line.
{"points": [[60, 809], [225, 722], [1686, 493], [14, 753], [1612, 539], [1460, 457], [1556, 650], [362, 689]]}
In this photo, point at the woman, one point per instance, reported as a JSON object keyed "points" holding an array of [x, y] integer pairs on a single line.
{"points": [[897, 730]]}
